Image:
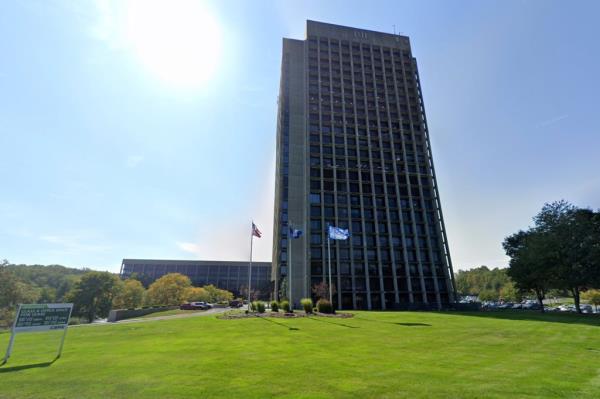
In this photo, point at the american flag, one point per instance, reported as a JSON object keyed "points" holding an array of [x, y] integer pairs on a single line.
{"points": [[255, 231]]}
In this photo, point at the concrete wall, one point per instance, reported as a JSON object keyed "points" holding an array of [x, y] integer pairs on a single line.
{"points": [[121, 314]]}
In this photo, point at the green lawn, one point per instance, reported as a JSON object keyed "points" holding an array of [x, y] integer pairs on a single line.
{"points": [[374, 354]]}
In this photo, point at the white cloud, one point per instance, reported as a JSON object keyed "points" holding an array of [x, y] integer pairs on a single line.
{"points": [[72, 244], [190, 247], [552, 121]]}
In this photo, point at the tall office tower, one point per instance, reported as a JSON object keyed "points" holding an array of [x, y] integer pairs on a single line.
{"points": [[353, 151]]}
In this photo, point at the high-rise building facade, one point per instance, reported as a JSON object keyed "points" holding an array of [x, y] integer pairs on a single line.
{"points": [[353, 151]]}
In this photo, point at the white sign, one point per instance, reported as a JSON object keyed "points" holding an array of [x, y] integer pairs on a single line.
{"points": [[40, 317]]}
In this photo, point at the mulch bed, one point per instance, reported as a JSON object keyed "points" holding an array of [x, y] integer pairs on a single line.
{"points": [[281, 315]]}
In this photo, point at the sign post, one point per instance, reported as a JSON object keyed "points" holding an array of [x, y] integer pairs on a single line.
{"points": [[40, 317]]}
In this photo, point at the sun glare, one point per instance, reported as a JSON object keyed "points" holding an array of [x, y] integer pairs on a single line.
{"points": [[178, 41]]}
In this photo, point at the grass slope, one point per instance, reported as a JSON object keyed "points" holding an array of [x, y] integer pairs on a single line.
{"points": [[374, 354]]}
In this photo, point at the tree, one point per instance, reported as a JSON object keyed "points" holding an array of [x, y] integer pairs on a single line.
{"points": [[145, 279], [529, 253], [92, 296], [197, 294], [482, 280], [510, 293], [283, 289], [321, 290], [130, 296], [170, 289], [14, 291], [574, 236], [593, 297], [254, 293], [218, 295], [488, 295]]}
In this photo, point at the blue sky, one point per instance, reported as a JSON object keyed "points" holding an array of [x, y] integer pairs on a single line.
{"points": [[110, 149]]}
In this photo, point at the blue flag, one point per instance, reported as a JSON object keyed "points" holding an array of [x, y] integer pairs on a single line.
{"points": [[337, 233], [295, 233]]}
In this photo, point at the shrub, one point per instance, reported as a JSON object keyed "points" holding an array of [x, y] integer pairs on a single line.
{"points": [[324, 306], [258, 306], [285, 305], [307, 304], [274, 306]]}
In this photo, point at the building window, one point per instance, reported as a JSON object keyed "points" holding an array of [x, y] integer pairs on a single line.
{"points": [[316, 253]]}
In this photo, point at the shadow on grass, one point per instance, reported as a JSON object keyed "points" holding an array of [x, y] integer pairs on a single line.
{"points": [[330, 322], [396, 323], [27, 366], [279, 323], [548, 317]]}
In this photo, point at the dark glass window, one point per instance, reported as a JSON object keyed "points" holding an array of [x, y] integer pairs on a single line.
{"points": [[315, 239], [316, 253]]}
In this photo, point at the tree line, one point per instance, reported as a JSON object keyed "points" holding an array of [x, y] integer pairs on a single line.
{"points": [[560, 251], [558, 256], [487, 284], [93, 293]]}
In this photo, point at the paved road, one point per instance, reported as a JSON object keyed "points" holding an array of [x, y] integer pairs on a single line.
{"points": [[175, 316], [209, 312]]}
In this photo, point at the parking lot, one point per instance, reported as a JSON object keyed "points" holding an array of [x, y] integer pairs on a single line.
{"points": [[534, 305]]}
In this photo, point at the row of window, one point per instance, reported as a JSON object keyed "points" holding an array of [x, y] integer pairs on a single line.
{"points": [[384, 166], [351, 148], [340, 172], [358, 86], [373, 253], [360, 284], [318, 268], [367, 214], [359, 100], [346, 65], [388, 301], [362, 132], [373, 244], [325, 42], [364, 153]]}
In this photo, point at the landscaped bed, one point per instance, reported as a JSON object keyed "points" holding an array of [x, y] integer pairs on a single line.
{"points": [[239, 314]]}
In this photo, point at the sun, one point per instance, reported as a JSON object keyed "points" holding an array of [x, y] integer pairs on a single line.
{"points": [[177, 41]]}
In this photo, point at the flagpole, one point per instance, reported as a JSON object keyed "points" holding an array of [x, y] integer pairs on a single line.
{"points": [[250, 265], [329, 262], [290, 239]]}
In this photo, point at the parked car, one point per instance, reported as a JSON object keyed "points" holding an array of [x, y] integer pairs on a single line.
{"points": [[517, 306], [488, 305], [236, 303], [506, 305], [531, 306], [195, 306], [585, 308], [566, 308]]}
